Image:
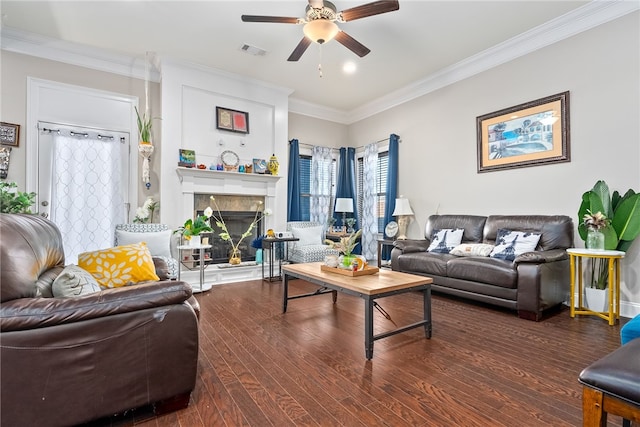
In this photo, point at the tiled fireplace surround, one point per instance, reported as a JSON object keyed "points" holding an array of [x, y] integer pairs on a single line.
{"points": [[233, 192]]}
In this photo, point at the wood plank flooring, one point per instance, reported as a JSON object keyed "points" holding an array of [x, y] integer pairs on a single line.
{"points": [[483, 366]]}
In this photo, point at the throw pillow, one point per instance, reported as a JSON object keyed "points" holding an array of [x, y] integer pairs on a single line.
{"points": [[472, 249], [510, 244], [309, 235], [442, 241], [74, 282], [158, 242], [119, 266]]}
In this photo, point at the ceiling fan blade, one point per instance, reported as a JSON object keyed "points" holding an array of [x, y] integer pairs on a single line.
{"points": [[300, 49], [276, 19], [369, 9], [352, 44], [316, 4]]}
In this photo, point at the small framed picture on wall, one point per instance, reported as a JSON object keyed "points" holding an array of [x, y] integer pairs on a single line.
{"points": [[232, 120], [9, 134]]}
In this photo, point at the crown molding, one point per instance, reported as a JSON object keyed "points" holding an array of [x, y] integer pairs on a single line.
{"points": [[18, 41], [589, 16]]}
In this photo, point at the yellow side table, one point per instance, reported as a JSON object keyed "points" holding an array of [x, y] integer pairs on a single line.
{"points": [[613, 288]]}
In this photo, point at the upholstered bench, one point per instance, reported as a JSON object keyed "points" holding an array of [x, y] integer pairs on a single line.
{"points": [[611, 385]]}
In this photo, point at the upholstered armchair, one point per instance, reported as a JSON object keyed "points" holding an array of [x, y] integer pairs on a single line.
{"points": [[70, 359], [311, 246], [159, 239]]}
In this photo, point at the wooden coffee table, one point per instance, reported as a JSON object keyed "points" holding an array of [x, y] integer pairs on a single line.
{"points": [[369, 287]]}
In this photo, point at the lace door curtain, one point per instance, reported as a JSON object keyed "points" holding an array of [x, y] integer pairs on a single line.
{"points": [[86, 196], [320, 200], [369, 216]]}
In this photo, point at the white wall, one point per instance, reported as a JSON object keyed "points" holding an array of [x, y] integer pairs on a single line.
{"points": [[600, 68], [190, 95]]}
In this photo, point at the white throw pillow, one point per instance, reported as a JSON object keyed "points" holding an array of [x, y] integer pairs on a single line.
{"points": [[74, 281], [510, 244], [472, 249], [158, 242], [309, 235], [444, 240]]}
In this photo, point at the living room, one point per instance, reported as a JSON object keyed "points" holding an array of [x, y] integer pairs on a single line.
{"points": [[438, 151]]}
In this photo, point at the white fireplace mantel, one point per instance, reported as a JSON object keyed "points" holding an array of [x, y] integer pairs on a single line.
{"points": [[202, 181]]}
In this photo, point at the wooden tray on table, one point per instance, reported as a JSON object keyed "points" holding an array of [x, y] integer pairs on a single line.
{"points": [[345, 272]]}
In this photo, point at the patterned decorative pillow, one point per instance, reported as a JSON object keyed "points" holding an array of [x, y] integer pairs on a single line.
{"points": [[74, 282], [472, 249], [158, 242], [510, 244], [308, 236], [442, 241], [119, 266]]}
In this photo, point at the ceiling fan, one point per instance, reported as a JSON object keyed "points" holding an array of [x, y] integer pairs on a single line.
{"points": [[320, 24]]}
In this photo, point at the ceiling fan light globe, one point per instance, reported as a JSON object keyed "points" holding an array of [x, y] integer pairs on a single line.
{"points": [[321, 30]]}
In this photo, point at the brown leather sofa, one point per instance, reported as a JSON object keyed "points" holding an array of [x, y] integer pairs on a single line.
{"points": [[65, 361], [532, 283]]}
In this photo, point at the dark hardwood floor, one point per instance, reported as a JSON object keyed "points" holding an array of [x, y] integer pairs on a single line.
{"points": [[483, 366]]}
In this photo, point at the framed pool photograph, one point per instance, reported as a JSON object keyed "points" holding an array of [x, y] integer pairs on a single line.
{"points": [[531, 134], [232, 120]]}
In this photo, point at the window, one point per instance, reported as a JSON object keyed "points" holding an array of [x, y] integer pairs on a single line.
{"points": [[305, 186], [382, 166]]}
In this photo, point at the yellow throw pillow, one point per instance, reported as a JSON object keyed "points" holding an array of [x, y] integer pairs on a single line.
{"points": [[119, 266]]}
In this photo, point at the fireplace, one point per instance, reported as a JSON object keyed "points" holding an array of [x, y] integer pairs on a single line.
{"points": [[237, 223], [238, 213]]}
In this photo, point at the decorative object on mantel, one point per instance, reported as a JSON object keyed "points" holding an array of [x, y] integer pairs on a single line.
{"points": [[230, 160], [234, 257], [192, 228], [187, 158], [259, 165], [144, 214], [9, 134], [273, 165], [232, 120]]}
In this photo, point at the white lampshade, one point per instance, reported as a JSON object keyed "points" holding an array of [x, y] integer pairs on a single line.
{"points": [[402, 207], [344, 205], [320, 30]]}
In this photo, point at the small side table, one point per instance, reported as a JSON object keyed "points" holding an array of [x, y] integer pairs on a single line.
{"points": [[382, 243], [613, 258], [203, 287], [267, 244]]}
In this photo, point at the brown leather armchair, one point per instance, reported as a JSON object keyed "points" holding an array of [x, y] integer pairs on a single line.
{"points": [[66, 361]]}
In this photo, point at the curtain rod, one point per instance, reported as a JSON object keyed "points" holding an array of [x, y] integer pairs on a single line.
{"points": [[362, 146]]}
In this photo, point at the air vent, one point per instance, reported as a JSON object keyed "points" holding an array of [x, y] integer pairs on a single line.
{"points": [[252, 50]]}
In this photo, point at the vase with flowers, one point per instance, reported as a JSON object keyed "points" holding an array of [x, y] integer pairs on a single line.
{"points": [[144, 214], [234, 253], [192, 228], [345, 246]]}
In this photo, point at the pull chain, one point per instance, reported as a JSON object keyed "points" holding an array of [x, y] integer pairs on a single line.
{"points": [[320, 61]]}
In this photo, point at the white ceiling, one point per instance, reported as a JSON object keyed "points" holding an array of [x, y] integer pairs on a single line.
{"points": [[407, 46]]}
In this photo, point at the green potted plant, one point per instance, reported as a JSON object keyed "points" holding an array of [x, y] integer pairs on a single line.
{"points": [[14, 201], [144, 127], [618, 219], [192, 228]]}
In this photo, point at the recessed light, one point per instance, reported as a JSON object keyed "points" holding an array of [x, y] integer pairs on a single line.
{"points": [[349, 67]]}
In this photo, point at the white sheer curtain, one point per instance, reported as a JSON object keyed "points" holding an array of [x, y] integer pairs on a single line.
{"points": [[320, 200], [369, 221], [86, 192]]}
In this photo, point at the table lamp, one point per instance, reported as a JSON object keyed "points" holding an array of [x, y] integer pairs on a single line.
{"points": [[344, 205], [403, 212]]}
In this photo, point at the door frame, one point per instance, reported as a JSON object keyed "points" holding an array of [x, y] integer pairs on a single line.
{"points": [[55, 102]]}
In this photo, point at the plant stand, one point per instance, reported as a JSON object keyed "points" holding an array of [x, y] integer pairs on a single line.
{"points": [[576, 255]]}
